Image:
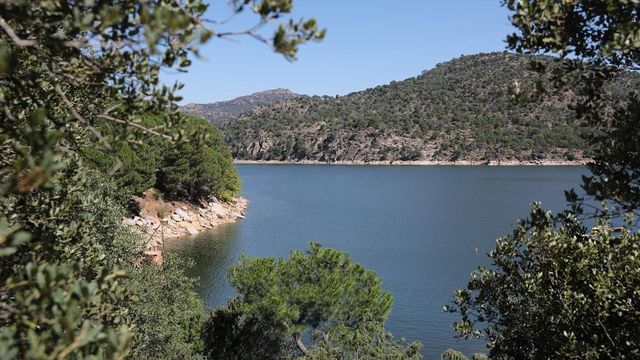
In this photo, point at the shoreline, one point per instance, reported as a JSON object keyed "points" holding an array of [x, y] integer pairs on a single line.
{"points": [[158, 220], [417, 163]]}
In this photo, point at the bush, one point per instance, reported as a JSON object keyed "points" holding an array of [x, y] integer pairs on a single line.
{"points": [[167, 315], [64, 298], [556, 293]]}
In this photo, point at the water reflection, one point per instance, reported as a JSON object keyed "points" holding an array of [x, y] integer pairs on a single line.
{"points": [[212, 252]]}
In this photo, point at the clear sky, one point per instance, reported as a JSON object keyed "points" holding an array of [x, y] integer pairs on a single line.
{"points": [[368, 43]]}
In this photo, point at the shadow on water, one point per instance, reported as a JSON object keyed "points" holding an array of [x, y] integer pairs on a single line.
{"points": [[212, 253]]}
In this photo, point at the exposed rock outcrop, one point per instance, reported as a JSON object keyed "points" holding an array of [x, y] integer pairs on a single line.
{"points": [[159, 219]]}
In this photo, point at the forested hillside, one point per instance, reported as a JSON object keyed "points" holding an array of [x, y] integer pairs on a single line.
{"points": [[221, 112], [459, 110]]}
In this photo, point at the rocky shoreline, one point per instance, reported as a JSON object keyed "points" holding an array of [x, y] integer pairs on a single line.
{"points": [[159, 220], [419, 163]]}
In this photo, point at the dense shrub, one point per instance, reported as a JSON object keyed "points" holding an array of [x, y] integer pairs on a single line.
{"points": [[74, 289], [556, 293], [166, 314], [198, 169]]}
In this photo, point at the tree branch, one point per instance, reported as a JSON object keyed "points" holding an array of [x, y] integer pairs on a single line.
{"points": [[132, 124], [16, 39], [300, 345], [77, 115]]}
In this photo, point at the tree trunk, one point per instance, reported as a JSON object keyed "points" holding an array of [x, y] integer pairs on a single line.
{"points": [[301, 345]]}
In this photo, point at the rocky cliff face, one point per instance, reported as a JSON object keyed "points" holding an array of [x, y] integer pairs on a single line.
{"points": [[219, 113]]}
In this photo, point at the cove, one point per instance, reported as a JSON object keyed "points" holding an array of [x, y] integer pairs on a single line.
{"points": [[423, 229]]}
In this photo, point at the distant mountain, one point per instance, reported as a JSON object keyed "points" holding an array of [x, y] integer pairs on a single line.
{"points": [[222, 112], [459, 110]]}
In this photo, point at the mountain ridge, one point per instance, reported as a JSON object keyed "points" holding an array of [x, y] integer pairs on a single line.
{"points": [[221, 112], [459, 110]]}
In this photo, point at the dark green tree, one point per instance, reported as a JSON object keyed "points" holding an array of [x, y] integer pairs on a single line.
{"points": [[321, 294], [66, 68], [199, 169], [556, 287], [595, 41]]}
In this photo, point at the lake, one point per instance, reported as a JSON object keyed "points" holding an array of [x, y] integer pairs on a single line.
{"points": [[423, 229]]}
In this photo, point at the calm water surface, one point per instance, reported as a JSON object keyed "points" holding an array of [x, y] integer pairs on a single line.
{"points": [[423, 229]]}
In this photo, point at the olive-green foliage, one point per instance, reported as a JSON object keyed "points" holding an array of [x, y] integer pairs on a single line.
{"points": [[616, 166], [322, 293], [64, 298], [556, 293], [597, 41], [154, 310], [66, 68], [570, 28], [167, 315], [558, 289]]}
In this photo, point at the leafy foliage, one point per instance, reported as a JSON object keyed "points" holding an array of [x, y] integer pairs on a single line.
{"points": [[616, 166], [597, 30], [596, 41], [556, 293], [321, 293], [557, 289], [66, 69], [167, 315], [64, 298]]}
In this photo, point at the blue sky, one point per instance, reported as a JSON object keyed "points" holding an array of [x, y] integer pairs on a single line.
{"points": [[368, 43]]}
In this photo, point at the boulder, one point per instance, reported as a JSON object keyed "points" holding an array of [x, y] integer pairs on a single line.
{"points": [[219, 210], [176, 217], [183, 214], [191, 230]]}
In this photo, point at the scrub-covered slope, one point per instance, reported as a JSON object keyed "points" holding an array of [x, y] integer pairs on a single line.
{"points": [[459, 110]]}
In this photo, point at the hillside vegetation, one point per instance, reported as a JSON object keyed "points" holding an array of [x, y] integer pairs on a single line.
{"points": [[221, 112], [459, 110]]}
